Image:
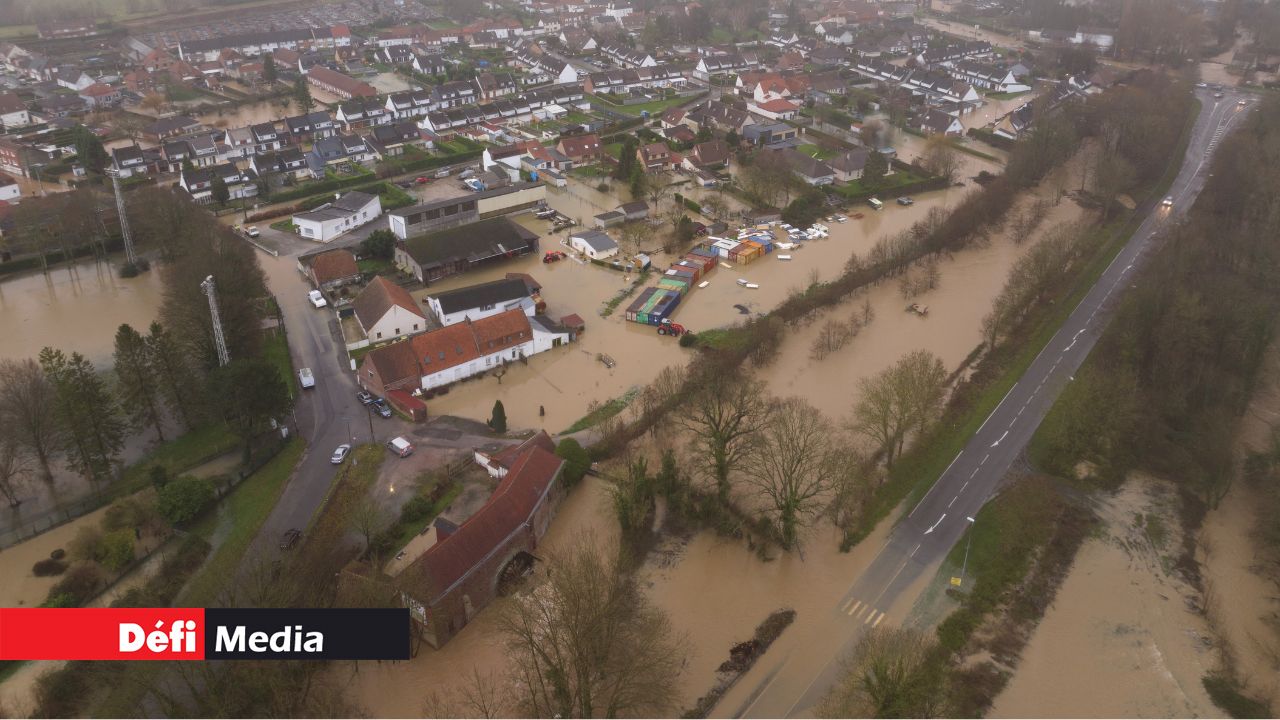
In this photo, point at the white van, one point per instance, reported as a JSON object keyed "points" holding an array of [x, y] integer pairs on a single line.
{"points": [[306, 378], [400, 446], [875, 204]]}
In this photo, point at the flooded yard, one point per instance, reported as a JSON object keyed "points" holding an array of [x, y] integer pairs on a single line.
{"points": [[249, 113], [74, 308], [1120, 639]]}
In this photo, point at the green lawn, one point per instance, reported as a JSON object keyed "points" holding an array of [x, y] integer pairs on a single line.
{"points": [[657, 107], [815, 151], [1006, 95], [247, 507], [614, 149], [275, 350], [377, 266], [602, 412], [179, 454], [885, 186]]}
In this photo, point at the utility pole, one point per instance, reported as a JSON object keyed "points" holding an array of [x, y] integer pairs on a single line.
{"points": [[223, 356], [125, 235]]}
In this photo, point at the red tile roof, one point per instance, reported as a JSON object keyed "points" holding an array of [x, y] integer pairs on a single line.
{"points": [[335, 265], [578, 146], [378, 298], [510, 508]]}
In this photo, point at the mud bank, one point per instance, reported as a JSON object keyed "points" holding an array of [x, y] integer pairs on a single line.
{"points": [[1123, 637]]}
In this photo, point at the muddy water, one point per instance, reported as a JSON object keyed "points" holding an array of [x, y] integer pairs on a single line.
{"points": [[1119, 639], [400, 689], [259, 112], [970, 282], [1241, 600], [74, 308], [716, 592]]}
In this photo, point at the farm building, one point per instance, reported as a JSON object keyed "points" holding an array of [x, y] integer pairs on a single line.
{"points": [[456, 250], [595, 244]]}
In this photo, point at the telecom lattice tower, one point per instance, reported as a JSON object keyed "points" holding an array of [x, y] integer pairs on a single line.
{"points": [[125, 235], [223, 356]]}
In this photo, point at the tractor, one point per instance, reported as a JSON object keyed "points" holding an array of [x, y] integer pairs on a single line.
{"points": [[673, 329], [553, 256]]}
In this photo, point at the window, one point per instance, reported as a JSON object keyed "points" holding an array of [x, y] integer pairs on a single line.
{"points": [[442, 355], [415, 327], [379, 336], [397, 331], [486, 307]]}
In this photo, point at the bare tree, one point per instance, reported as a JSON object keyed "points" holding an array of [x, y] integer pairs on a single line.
{"points": [[367, 519], [886, 674], [792, 462], [13, 467], [587, 643], [723, 415], [481, 696], [940, 157], [904, 397], [656, 190], [27, 401]]}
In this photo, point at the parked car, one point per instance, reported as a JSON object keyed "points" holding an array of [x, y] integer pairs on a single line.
{"points": [[317, 298], [366, 397], [905, 201], [400, 447], [339, 454], [422, 180], [1218, 95], [382, 407], [252, 231], [443, 173], [290, 538], [306, 378]]}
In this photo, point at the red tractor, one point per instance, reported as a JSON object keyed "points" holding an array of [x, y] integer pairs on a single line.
{"points": [[553, 256], [673, 329]]}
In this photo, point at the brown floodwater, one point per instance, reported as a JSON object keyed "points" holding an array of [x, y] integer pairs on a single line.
{"points": [[1242, 602], [1119, 639], [77, 307]]}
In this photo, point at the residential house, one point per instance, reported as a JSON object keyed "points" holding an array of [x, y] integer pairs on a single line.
{"points": [[581, 149], [848, 165], [770, 133], [344, 86], [809, 169], [430, 63], [314, 125], [129, 160], [774, 109], [172, 126], [498, 464], [385, 311], [410, 104], [492, 86], [339, 153], [657, 157], [458, 249], [937, 122], [718, 116], [452, 94], [987, 77], [287, 163], [476, 302], [346, 213], [727, 64], [10, 190], [595, 244], [360, 113], [710, 155], [99, 95], [626, 57], [391, 140], [13, 112], [199, 182], [333, 269]]}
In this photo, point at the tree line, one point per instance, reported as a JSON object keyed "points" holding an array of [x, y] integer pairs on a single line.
{"points": [[60, 406]]}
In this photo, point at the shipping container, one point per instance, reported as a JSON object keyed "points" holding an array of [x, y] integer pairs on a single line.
{"points": [[679, 286]]}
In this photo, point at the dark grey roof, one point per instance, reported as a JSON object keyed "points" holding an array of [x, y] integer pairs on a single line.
{"points": [[476, 241], [475, 296]]}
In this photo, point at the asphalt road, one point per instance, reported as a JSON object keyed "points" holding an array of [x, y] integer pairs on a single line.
{"points": [[792, 685]]}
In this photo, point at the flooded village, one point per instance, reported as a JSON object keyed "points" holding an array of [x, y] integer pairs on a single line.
{"points": [[719, 330]]}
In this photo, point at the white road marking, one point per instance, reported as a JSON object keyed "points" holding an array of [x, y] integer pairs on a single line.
{"points": [[984, 459], [877, 622], [937, 482], [962, 487], [854, 609], [858, 615], [1005, 435], [873, 614], [975, 472], [935, 525], [914, 551], [953, 501]]}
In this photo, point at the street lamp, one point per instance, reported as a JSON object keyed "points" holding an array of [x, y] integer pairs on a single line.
{"points": [[967, 544]]}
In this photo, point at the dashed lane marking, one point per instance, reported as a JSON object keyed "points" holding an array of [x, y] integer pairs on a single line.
{"points": [[854, 609], [873, 614], [878, 621]]}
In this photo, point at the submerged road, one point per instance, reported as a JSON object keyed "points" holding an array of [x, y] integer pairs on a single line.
{"points": [[790, 686]]}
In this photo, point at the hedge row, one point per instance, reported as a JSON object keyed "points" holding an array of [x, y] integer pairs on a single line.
{"points": [[991, 138]]}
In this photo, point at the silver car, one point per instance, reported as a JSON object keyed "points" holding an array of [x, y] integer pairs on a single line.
{"points": [[339, 454]]}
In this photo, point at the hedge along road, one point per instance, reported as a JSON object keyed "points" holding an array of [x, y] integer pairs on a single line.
{"points": [[794, 684]]}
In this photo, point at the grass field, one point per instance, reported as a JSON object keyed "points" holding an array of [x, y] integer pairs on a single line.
{"points": [[247, 508]]}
